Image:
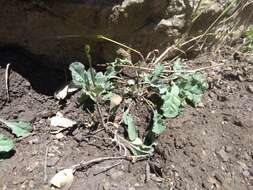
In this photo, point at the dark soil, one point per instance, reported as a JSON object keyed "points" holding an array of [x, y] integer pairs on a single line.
{"points": [[208, 147]]}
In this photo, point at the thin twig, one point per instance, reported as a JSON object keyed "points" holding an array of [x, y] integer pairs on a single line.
{"points": [[176, 46], [147, 172], [45, 166], [84, 164], [7, 81], [105, 169]]}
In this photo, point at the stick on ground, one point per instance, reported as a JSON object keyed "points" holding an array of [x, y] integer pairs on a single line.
{"points": [[7, 81]]}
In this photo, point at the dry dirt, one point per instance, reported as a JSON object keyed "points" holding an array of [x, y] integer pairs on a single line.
{"points": [[209, 147]]}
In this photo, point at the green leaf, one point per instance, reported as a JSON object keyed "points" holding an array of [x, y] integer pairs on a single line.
{"points": [[192, 87], [19, 128], [141, 149], [6, 144], [158, 125], [158, 70], [79, 75], [131, 130], [177, 66], [171, 102]]}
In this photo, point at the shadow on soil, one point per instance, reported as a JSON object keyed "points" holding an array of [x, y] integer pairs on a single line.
{"points": [[35, 68]]}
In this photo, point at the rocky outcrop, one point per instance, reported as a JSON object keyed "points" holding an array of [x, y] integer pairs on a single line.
{"points": [[58, 30]]}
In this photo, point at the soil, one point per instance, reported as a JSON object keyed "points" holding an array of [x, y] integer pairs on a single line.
{"points": [[207, 147]]}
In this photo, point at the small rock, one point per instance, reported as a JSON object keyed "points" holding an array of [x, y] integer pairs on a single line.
{"points": [[241, 78], [45, 114], [219, 178], [251, 181], [106, 185], [79, 137], [246, 156], [35, 141], [251, 171], [28, 116], [52, 161], [228, 149], [206, 185], [237, 121], [59, 135], [131, 188], [246, 173], [250, 89], [27, 84], [223, 155]]}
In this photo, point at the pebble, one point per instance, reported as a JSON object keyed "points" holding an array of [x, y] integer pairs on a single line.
{"points": [[27, 84], [35, 141], [228, 149], [250, 89], [45, 114], [219, 178], [52, 161], [131, 188], [251, 171], [28, 116], [246, 156], [59, 135], [207, 185], [223, 155], [246, 173], [251, 181], [106, 186]]}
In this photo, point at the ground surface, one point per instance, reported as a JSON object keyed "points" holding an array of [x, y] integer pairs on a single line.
{"points": [[209, 147]]}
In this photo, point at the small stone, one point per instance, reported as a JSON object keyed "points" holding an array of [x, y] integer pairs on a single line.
{"points": [[131, 188], [59, 135], [246, 173], [246, 156], [45, 114], [27, 84], [241, 78], [28, 116], [219, 178], [250, 89], [223, 155], [106, 185], [79, 137], [228, 149], [251, 171], [52, 161], [251, 181], [237, 121], [35, 141], [206, 185]]}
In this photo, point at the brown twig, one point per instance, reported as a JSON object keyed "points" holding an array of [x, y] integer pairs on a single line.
{"points": [[85, 164]]}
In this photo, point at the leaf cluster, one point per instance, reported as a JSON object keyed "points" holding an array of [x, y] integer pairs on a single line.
{"points": [[18, 128], [174, 91]]}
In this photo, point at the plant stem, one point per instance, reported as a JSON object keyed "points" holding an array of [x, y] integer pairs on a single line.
{"points": [[87, 51]]}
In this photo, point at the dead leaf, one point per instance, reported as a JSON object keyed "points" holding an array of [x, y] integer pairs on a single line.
{"points": [[116, 100], [60, 121], [63, 179], [65, 91]]}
